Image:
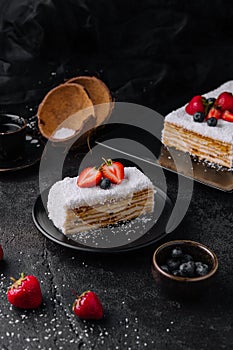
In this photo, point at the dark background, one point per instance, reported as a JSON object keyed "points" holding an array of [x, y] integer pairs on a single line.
{"points": [[155, 53]]}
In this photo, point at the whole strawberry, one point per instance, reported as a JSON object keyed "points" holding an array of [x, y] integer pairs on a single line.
{"points": [[87, 306], [224, 101], [197, 104], [1, 253], [114, 171], [25, 293]]}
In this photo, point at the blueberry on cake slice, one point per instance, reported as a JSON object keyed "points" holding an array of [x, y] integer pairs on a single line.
{"points": [[204, 127], [99, 197]]}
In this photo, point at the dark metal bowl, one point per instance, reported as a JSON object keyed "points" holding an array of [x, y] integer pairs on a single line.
{"points": [[184, 286]]}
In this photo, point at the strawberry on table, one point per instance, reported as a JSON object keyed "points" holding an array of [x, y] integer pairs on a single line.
{"points": [[197, 104], [224, 101], [114, 171], [25, 293], [1, 253], [89, 177], [87, 306]]}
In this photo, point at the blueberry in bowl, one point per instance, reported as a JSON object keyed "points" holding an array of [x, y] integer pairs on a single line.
{"points": [[184, 268]]}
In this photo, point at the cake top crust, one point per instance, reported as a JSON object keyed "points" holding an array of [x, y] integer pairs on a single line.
{"points": [[222, 132], [75, 196]]}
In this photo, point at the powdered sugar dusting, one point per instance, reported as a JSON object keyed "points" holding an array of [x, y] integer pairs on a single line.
{"points": [[222, 132]]}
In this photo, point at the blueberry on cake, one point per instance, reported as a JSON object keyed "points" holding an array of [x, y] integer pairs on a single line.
{"points": [[99, 197], [204, 127]]}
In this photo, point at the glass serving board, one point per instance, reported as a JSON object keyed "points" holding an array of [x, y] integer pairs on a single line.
{"points": [[189, 167]]}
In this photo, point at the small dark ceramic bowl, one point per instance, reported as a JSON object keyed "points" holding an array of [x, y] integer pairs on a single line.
{"points": [[184, 286], [12, 136]]}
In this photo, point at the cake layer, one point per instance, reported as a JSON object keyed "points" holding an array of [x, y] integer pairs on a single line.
{"points": [[86, 218], [203, 147], [73, 209], [215, 144]]}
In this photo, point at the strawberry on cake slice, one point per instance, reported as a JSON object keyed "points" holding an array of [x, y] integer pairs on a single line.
{"points": [[204, 127], [99, 197]]}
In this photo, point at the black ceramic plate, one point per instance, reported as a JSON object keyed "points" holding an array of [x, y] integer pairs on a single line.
{"points": [[101, 240], [33, 151]]}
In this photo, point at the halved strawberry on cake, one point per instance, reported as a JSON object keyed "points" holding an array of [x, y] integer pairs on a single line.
{"points": [[99, 197], [204, 127]]}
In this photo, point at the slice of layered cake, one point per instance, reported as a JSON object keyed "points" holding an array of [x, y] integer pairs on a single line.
{"points": [[204, 127], [99, 197]]}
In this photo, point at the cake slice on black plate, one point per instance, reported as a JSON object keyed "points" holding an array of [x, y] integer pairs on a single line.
{"points": [[100, 197]]}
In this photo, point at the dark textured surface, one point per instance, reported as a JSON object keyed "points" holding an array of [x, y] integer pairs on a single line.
{"points": [[137, 315], [156, 53]]}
